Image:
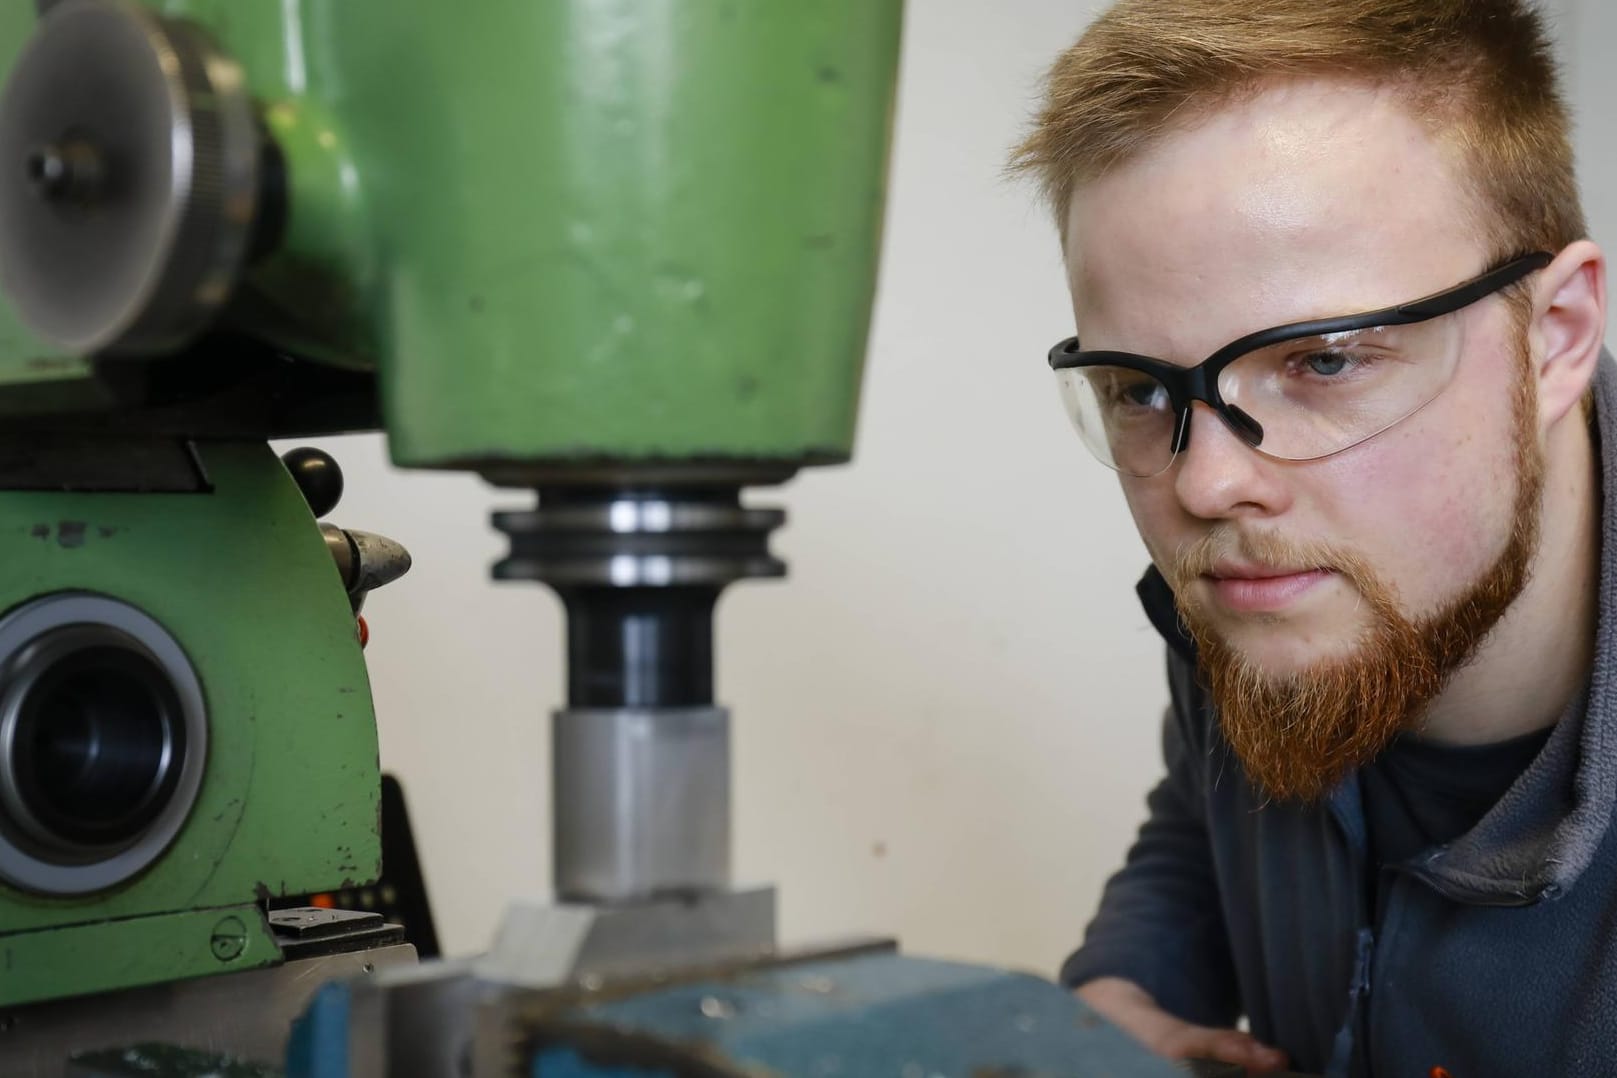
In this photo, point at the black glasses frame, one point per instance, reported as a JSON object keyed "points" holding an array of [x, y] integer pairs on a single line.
{"points": [[1186, 385]]}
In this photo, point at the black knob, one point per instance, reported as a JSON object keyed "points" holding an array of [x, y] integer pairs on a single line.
{"points": [[317, 476]]}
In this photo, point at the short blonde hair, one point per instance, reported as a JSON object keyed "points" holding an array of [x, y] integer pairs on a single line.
{"points": [[1481, 72]]}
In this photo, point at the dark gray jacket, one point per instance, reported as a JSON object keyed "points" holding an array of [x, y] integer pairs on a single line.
{"points": [[1495, 955]]}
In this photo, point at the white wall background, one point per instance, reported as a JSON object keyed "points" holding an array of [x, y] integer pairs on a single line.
{"points": [[946, 719]]}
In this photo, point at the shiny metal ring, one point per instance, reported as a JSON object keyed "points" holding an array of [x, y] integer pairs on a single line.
{"points": [[44, 636]]}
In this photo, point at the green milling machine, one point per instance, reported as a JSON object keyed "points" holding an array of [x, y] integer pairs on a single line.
{"points": [[618, 252]]}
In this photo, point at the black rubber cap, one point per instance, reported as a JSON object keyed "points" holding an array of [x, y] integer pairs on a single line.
{"points": [[317, 476]]}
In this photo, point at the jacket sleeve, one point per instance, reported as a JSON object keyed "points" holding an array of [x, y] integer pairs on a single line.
{"points": [[1161, 922]]}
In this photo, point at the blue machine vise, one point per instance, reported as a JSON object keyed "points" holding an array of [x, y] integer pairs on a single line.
{"points": [[863, 1016]]}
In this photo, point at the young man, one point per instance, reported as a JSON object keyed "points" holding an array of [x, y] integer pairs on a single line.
{"points": [[1376, 529]]}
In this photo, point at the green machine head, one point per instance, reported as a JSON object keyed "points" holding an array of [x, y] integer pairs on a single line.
{"points": [[621, 252]]}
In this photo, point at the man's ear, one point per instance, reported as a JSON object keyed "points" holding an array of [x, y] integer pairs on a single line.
{"points": [[1568, 328]]}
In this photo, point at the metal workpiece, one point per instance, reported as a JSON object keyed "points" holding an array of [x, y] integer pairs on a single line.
{"points": [[640, 802], [103, 741], [130, 161]]}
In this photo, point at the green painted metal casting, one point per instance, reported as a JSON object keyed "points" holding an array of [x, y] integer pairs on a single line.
{"points": [[109, 955], [577, 230], [242, 579]]}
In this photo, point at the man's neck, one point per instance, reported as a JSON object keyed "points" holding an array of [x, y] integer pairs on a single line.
{"points": [[1536, 661]]}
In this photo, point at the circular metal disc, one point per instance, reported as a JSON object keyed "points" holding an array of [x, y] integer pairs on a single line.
{"points": [[128, 179], [21, 863]]}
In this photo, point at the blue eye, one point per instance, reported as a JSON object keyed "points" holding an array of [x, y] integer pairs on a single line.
{"points": [[1327, 364]]}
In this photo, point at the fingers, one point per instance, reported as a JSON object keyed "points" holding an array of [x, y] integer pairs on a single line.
{"points": [[1224, 1045], [1130, 1008]]}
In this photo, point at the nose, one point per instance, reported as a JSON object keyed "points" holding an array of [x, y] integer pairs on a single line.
{"points": [[1217, 476]]}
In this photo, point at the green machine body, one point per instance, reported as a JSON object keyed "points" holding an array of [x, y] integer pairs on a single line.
{"points": [[557, 233], [606, 244], [186, 725]]}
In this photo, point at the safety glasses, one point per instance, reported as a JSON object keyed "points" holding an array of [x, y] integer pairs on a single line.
{"points": [[1295, 392]]}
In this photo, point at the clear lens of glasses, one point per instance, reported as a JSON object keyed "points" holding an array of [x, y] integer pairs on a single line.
{"points": [[1309, 397]]}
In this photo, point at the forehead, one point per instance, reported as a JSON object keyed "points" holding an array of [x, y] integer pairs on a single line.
{"points": [[1305, 200]]}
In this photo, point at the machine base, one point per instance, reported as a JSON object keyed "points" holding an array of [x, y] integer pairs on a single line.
{"points": [[244, 1015]]}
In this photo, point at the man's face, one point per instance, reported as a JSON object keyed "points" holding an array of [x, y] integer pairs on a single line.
{"points": [[1309, 200], [1331, 599]]}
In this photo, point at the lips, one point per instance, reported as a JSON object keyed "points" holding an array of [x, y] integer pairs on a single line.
{"points": [[1233, 570], [1262, 589]]}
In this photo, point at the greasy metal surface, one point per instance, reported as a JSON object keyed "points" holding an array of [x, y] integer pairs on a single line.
{"points": [[242, 580], [246, 1014], [638, 230]]}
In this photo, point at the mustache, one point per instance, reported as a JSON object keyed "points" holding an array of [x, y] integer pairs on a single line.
{"points": [[1226, 543]]}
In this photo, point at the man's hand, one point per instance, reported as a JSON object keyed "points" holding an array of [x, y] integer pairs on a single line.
{"points": [[1131, 1008]]}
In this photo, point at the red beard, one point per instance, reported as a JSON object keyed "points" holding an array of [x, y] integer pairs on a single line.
{"points": [[1298, 734]]}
